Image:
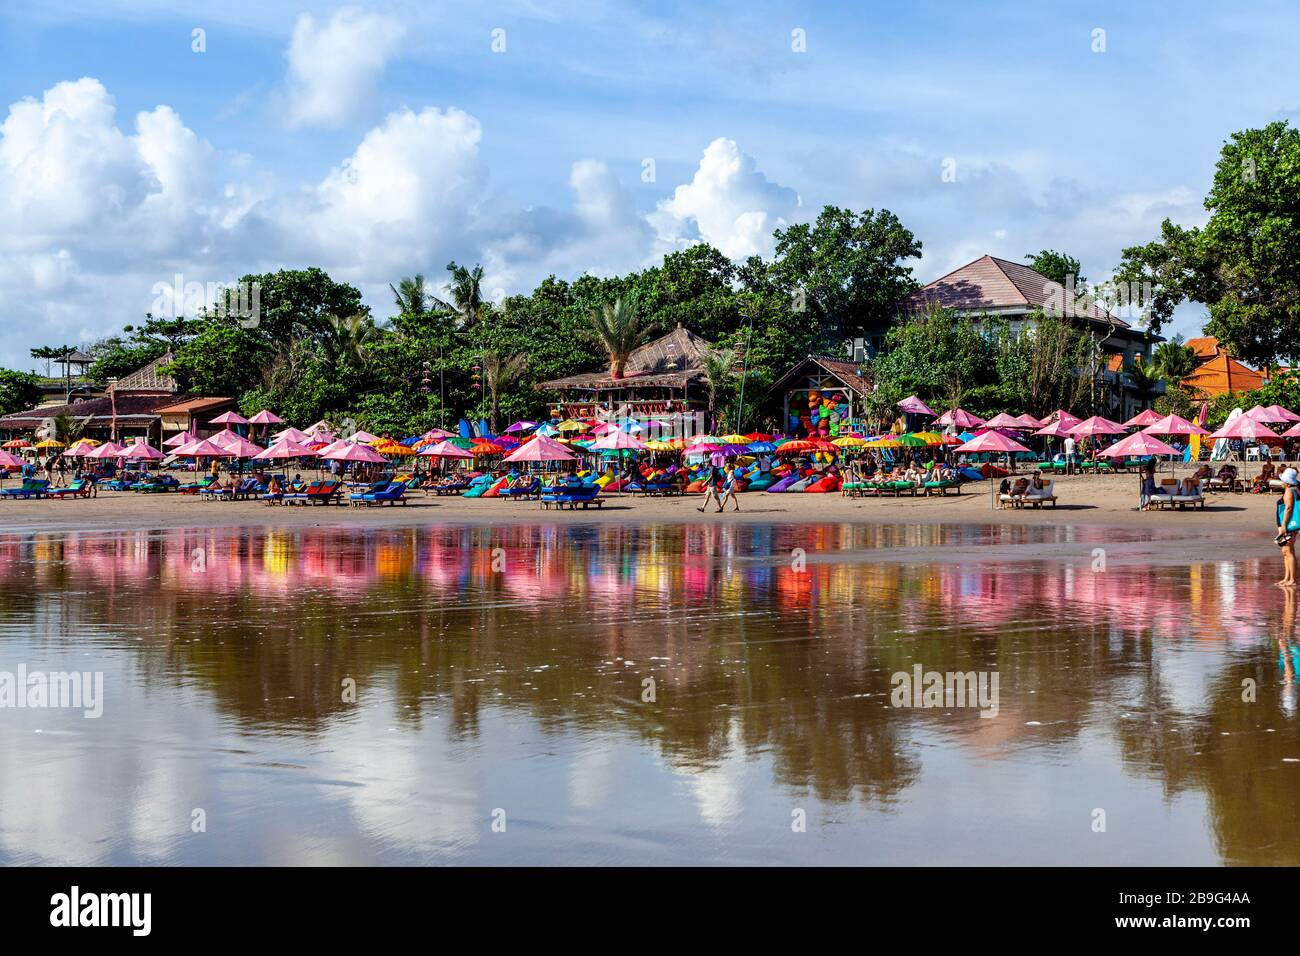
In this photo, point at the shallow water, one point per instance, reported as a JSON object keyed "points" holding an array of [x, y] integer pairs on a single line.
{"points": [[503, 676]]}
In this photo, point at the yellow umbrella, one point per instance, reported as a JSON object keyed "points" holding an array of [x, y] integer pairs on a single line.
{"points": [[849, 441], [930, 438], [657, 444], [571, 425], [884, 443], [85, 441], [49, 443], [734, 439]]}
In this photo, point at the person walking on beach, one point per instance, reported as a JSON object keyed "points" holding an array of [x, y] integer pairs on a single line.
{"points": [[729, 490], [711, 489], [1288, 524]]}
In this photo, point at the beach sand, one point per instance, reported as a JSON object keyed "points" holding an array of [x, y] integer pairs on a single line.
{"points": [[1229, 523]]}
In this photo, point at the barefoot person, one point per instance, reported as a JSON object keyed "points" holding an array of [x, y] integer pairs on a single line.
{"points": [[1288, 524]]}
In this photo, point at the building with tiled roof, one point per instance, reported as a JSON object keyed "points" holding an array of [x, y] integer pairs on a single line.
{"points": [[989, 287], [1218, 372]]}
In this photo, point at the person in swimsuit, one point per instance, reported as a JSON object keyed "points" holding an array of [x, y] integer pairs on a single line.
{"points": [[1286, 517]]}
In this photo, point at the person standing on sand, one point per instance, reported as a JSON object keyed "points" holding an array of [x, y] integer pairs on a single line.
{"points": [[1069, 455], [1288, 523], [729, 490]]}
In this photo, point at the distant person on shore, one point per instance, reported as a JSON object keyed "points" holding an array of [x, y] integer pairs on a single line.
{"points": [[1069, 455], [1148, 485], [1288, 523], [729, 489]]}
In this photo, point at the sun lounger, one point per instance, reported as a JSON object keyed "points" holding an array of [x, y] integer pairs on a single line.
{"points": [[31, 488], [522, 492], [574, 497], [942, 487], [1037, 497], [1189, 494], [80, 488], [394, 493], [1164, 495]]}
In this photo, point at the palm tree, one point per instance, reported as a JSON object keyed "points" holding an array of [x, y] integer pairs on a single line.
{"points": [[618, 327], [466, 295], [500, 371], [1144, 377], [1174, 361], [68, 428], [412, 296], [347, 339], [719, 366]]}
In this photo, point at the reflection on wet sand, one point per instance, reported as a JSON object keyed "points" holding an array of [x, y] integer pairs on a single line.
{"points": [[770, 647]]}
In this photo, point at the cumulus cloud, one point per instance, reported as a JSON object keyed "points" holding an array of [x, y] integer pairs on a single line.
{"points": [[728, 203], [101, 214], [333, 66]]}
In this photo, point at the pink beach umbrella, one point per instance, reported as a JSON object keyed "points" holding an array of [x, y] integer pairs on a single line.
{"points": [[1245, 428], [1058, 429], [201, 448], [363, 436], [618, 440], [143, 451], [242, 448], [355, 452], [913, 405], [1138, 445], [1143, 418], [1292, 432], [960, 418], [539, 449], [12, 461], [177, 440], [224, 437], [293, 434], [990, 441], [265, 417], [445, 449], [107, 450], [1276, 413], [229, 418], [1096, 425], [285, 449], [1174, 425], [1003, 420], [1029, 421]]}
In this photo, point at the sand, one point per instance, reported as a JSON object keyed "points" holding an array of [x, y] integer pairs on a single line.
{"points": [[1228, 523]]}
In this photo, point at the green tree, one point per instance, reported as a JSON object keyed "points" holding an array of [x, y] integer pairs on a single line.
{"points": [[1244, 264], [1057, 266], [19, 391], [1173, 361], [619, 328], [719, 379], [466, 294], [500, 372], [848, 270], [412, 296]]}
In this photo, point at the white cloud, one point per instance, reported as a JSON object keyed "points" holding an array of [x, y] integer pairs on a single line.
{"points": [[333, 67], [728, 203]]}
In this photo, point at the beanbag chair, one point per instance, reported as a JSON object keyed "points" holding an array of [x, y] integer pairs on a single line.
{"points": [[763, 482], [828, 484], [494, 490], [696, 487], [800, 485], [783, 485]]}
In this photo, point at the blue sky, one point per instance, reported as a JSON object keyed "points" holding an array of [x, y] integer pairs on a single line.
{"points": [[382, 139]]}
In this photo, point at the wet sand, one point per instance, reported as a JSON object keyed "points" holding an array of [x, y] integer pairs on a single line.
{"points": [[1230, 525]]}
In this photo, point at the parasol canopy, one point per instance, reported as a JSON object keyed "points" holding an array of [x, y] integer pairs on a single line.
{"points": [[265, 417], [354, 451], [195, 449], [539, 449], [1247, 428], [9, 461], [284, 448], [143, 451], [618, 440], [914, 406], [961, 418], [991, 441], [1142, 419], [1096, 425], [445, 449], [229, 418], [107, 450], [1174, 425], [1003, 420], [1138, 445]]}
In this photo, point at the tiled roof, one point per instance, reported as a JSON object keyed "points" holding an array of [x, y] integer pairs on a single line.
{"points": [[1223, 374], [992, 283], [148, 379], [1205, 347], [193, 405], [648, 366], [100, 410]]}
